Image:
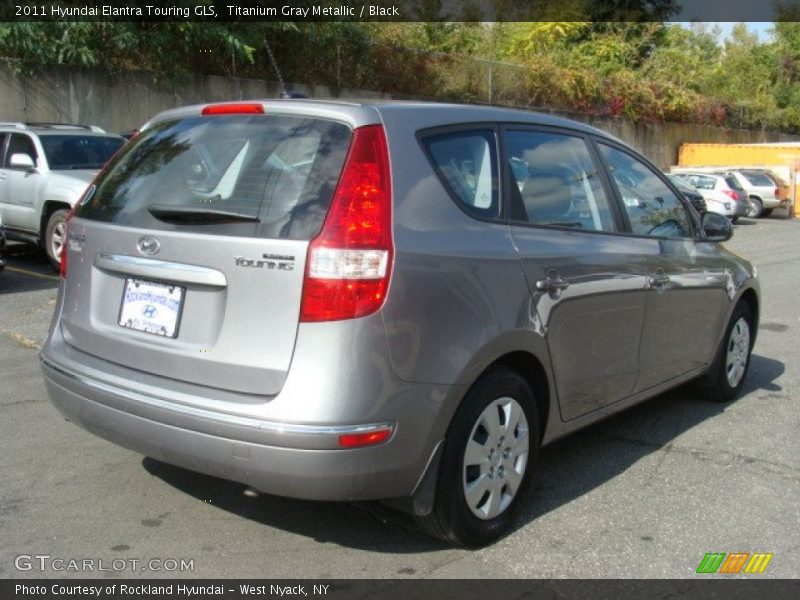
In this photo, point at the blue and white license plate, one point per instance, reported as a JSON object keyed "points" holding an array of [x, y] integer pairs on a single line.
{"points": [[151, 307]]}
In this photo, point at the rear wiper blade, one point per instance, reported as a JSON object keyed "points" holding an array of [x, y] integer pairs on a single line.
{"points": [[205, 215]]}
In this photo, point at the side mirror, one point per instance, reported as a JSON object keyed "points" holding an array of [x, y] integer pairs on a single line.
{"points": [[21, 161], [716, 227]]}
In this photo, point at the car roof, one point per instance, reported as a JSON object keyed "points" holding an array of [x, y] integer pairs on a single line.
{"points": [[415, 114], [80, 132], [45, 129], [701, 174]]}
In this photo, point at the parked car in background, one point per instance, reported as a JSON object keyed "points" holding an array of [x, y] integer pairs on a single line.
{"points": [[720, 192], [44, 169], [3, 247], [692, 194], [395, 301], [762, 191]]}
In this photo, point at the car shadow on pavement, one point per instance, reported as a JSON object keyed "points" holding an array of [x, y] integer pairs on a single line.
{"points": [[566, 470], [27, 270], [364, 525], [585, 460]]}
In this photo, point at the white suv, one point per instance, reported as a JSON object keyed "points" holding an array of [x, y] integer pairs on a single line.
{"points": [[44, 169]]}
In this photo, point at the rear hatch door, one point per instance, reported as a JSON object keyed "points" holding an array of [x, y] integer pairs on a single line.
{"points": [[186, 258]]}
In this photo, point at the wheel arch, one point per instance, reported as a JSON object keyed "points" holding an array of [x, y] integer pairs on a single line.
{"points": [[501, 353], [531, 369], [527, 366], [48, 208], [750, 298]]}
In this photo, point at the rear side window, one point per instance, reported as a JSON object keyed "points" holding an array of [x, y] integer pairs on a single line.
{"points": [[466, 162], [244, 175], [65, 152], [555, 182], [651, 206], [758, 179]]}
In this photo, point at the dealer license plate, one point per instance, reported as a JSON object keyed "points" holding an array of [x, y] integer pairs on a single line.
{"points": [[151, 307]]}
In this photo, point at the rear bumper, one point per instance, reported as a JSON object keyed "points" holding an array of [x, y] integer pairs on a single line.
{"points": [[299, 461]]}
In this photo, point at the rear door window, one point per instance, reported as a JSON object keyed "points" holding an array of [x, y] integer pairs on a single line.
{"points": [[244, 175], [466, 162], [652, 208], [20, 144], [555, 182]]}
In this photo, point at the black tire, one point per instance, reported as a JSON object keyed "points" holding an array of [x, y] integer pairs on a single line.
{"points": [[716, 384], [55, 224], [452, 519], [734, 219], [757, 208]]}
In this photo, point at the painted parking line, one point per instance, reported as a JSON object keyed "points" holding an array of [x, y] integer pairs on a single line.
{"points": [[33, 273]]}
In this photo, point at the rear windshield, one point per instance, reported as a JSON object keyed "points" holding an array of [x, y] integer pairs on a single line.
{"points": [[65, 152], [242, 175], [758, 179]]}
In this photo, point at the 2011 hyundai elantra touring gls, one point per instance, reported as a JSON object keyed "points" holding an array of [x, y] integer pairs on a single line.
{"points": [[395, 301]]}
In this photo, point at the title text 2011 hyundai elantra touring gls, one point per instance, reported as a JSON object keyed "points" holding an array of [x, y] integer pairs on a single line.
{"points": [[396, 301]]}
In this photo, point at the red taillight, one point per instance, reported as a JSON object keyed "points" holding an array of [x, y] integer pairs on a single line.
{"points": [[733, 195], [239, 108], [349, 263], [357, 440], [62, 267]]}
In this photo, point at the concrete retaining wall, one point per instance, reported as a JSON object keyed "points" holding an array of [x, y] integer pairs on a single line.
{"points": [[126, 100]]}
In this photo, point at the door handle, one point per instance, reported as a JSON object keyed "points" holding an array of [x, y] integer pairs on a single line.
{"points": [[552, 284], [658, 280]]}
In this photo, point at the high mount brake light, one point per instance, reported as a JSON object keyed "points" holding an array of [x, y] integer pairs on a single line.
{"points": [[350, 262], [241, 108]]}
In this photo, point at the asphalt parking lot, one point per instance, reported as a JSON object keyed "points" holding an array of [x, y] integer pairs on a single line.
{"points": [[644, 494]]}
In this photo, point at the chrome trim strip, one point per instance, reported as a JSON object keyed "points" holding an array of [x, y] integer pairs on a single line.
{"points": [[160, 269], [277, 427]]}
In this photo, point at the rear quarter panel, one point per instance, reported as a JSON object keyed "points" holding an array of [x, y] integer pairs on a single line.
{"points": [[458, 298]]}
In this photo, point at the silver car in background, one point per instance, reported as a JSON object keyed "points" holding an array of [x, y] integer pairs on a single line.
{"points": [[722, 192], [394, 301], [761, 189]]}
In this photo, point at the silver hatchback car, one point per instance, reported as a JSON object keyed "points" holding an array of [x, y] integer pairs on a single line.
{"points": [[395, 301]]}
